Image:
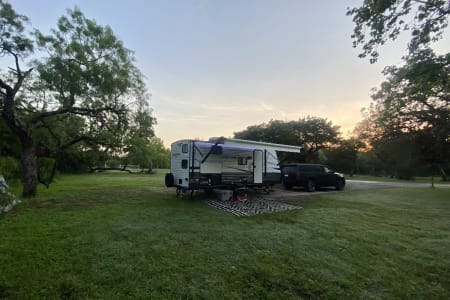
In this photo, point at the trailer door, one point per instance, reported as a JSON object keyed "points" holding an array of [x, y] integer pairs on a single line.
{"points": [[180, 162], [257, 166]]}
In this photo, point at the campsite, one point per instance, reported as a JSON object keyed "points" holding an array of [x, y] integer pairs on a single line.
{"points": [[120, 235], [198, 149]]}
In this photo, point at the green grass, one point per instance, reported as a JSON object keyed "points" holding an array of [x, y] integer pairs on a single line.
{"points": [[116, 236]]}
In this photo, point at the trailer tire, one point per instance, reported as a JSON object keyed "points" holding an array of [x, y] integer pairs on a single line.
{"points": [[169, 180]]}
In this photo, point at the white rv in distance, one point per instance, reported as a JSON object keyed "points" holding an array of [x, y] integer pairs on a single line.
{"points": [[223, 163]]}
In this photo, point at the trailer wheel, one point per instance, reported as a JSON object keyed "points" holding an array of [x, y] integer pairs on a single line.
{"points": [[169, 180]]}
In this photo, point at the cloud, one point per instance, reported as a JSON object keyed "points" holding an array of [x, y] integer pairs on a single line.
{"points": [[267, 107]]}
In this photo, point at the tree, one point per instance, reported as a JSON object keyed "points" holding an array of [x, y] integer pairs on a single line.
{"points": [[141, 135], [434, 151], [369, 163], [159, 154], [397, 154], [416, 94], [87, 76], [9, 143], [344, 156], [415, 99], [312, 133], [275, 131], [377, 21]]}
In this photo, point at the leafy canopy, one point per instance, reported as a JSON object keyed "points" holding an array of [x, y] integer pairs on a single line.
{"points": [[377, 21], [312, 133], [83, 90]]}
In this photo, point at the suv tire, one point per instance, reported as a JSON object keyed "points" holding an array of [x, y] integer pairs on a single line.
{"points": [[340, 185], [310, 186]]}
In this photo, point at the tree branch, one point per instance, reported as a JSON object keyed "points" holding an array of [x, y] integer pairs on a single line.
{"points": [[77, 140], [100, 56], [92, 112], [16, 59], [5, 86], [20, 79]]}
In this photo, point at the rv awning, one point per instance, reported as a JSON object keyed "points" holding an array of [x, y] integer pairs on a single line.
{"points": [[256, 145], [206, 149]]}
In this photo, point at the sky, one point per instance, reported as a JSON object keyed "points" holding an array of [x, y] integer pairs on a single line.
{"points": [[215, 67]]}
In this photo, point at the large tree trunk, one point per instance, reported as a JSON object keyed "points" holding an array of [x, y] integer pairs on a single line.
{"points": [[29, 170], [9, 114]]}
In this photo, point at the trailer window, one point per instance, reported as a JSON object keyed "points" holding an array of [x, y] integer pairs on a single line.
{"points": [[184, 148], [184, 164]]}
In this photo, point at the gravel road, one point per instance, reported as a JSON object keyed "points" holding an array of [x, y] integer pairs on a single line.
{"points": [[278, 199], [365, 185]]}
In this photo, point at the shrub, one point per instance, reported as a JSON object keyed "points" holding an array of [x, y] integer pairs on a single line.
{"points": [[9, 167], [113, 163]]}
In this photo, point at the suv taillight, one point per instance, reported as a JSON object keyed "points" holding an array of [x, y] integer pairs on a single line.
{"points": [[297, 174]]}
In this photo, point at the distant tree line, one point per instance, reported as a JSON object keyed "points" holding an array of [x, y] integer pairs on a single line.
{"points": [[367, 152]]}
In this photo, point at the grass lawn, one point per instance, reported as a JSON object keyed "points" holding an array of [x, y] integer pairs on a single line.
{"points": [[117, 235]]}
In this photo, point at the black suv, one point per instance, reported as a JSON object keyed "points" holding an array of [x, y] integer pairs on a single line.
{"points": [[311, 177]]}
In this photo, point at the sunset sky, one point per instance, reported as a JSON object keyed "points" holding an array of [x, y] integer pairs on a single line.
{"points": [[216, 67]]}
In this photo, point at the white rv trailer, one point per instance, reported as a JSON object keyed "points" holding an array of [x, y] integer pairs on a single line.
{"points": [[224, 164]]}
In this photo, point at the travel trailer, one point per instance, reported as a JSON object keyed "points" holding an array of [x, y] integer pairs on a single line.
{"points": [[223, 163]]}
